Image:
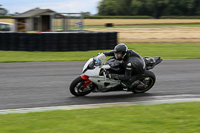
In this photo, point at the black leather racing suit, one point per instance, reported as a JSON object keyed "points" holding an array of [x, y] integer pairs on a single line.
{"points": [[132, 66]]}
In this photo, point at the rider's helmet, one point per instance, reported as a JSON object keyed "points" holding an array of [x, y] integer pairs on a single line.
{"points": [[120, 51]]}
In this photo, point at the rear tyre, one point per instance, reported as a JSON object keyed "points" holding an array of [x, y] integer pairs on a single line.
{"points": [[77, 87], [147, 82]]}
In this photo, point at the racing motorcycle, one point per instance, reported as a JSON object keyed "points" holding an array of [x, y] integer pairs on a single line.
{"points": [[94, 77]]}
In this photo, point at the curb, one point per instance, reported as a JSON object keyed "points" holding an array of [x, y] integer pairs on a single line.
{"points": [[93, 106]]}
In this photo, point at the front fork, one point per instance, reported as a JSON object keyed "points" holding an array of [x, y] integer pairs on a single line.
{"points": [[87, 81]]}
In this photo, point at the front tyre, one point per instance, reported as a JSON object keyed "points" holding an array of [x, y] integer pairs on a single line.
{"points": [[77, 87], [146, 82]]}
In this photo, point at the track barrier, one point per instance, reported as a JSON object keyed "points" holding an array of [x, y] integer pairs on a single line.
{"points": [[54, 41]]}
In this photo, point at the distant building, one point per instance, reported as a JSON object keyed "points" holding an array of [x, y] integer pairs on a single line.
{"points": [[35, 20]]}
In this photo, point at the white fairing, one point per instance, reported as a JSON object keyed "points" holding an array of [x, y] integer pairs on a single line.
{"points": [[93, 72], [103, 83], [86, 64]]}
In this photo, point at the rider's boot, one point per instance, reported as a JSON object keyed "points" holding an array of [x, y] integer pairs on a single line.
{"points": [[131, 83], [135, 84], [124, 85], [127, 86]]}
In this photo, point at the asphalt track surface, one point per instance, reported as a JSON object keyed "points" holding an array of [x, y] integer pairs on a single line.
{"points": [[43, 84]]}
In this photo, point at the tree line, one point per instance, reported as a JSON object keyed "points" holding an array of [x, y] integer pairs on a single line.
{"points": [[3, 11], [154, 8]]}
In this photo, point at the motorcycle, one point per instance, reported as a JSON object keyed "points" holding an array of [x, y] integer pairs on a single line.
{"points": [[94, 78]]}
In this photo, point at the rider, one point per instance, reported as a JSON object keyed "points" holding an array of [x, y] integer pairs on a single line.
{"points": [[131, 63]]}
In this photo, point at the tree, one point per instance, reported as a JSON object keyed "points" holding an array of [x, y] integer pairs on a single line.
{"points": [[108, 7], [155, 8], [87, 14], [3, 11]]}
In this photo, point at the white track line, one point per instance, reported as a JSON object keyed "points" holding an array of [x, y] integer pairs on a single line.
{"points": [[160, 100]]}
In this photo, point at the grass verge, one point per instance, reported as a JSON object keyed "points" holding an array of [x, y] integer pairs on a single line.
{"points": [[144, 26], [164, 118], [165, 50]]}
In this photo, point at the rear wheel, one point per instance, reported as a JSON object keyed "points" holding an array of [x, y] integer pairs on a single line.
{"points": [[77, 87], [146, 82]]}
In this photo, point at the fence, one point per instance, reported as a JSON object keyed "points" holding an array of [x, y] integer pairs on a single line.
{"points": [[63, 41], [67, 21]]}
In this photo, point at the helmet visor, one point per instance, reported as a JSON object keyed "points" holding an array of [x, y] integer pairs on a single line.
{"points": [[118, 55]]}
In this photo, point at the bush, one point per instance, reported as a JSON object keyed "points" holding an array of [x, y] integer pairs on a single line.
{"points": [[180, 17], [2, 16], [118, 17]]}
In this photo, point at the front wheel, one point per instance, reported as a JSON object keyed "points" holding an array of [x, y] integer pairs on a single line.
{"points": [[146, 82], [77, 87]]}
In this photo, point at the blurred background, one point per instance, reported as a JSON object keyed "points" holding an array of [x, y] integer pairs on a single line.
{"points": [[134, 20]]}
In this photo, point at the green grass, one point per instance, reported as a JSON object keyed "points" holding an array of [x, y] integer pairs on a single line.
{"points": [[165, 118], [168, 50], [137, 26], [165, 50], [21, 56], [144, 26]]}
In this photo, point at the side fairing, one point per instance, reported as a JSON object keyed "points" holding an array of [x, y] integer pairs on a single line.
{"points": [[93, 72], [86, 64]]}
